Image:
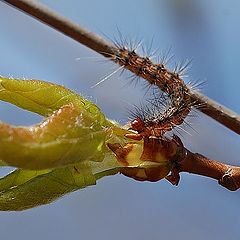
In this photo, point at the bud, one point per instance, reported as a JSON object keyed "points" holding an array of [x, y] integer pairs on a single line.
{"points": [[147, 160]]}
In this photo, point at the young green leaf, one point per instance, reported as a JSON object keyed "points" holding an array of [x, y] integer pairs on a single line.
{"points": [[44, 98], [23, 189], [43, 188], [75, 131], [65, 152]]}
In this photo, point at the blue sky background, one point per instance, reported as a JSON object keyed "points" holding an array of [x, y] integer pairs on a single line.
{"points": [[118, 207]]}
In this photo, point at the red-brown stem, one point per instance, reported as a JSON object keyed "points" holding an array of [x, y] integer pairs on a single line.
{"points": [[228, 176]]}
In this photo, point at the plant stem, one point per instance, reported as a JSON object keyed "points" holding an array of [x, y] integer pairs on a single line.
{"points": [[228, 176]]}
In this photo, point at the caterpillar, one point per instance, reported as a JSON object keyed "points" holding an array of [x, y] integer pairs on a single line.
{"points": [[152, 121]]}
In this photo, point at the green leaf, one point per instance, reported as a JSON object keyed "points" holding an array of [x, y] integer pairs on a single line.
{"points": [[72, 133], [43, 189], [19, 177], [65, 152], [23, 189], [43, 97]]}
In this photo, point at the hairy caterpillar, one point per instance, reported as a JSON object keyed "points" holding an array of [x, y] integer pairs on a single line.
{"points": [[152, 120]]}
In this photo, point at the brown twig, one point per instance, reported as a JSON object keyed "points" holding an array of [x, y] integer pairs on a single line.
{"points": [[213, 109], [227, 176], [185, 161]]}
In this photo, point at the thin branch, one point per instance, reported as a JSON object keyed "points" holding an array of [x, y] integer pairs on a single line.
{"points": [[228, 176], [213, 109], [64, 25]]}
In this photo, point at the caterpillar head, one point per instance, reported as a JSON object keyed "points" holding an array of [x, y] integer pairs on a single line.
{"points": [[137, 125]]}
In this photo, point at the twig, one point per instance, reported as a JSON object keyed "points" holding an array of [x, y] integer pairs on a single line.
{"points": [[220, 113], [228, 176], [64, 25], [211, 108]]}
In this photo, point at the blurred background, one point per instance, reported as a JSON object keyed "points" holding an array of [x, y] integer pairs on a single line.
{"points": [[206, 31]]}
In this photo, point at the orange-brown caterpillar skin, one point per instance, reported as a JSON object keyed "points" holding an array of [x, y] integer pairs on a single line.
{"points": [[169, 82]]}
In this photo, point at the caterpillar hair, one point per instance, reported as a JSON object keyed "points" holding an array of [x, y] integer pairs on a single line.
{"points": [[152, 120]]}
